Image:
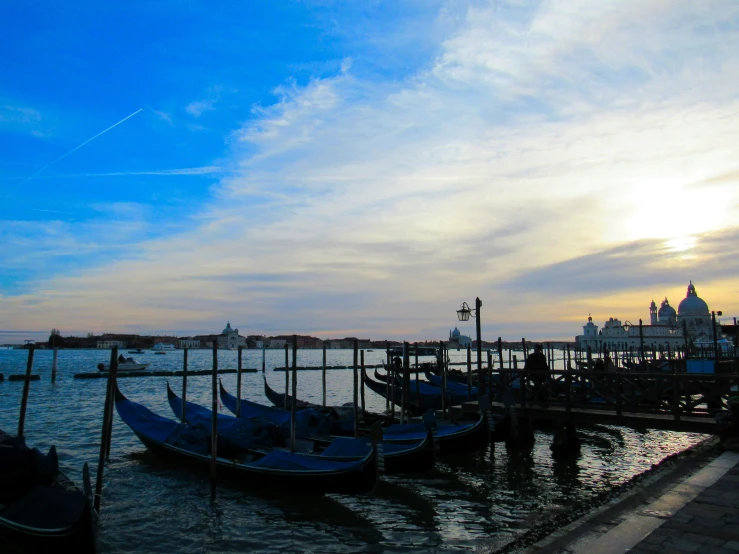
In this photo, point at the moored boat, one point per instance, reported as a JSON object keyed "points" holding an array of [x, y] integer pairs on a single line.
{"points": [[40, 509], [273, 470], [412, 456]]}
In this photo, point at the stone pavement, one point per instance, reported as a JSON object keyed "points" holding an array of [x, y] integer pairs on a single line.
{"points": [[697, 513], [708, 524]]}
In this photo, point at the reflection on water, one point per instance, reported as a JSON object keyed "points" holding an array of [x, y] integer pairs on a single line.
{"points": [[149, 506]]}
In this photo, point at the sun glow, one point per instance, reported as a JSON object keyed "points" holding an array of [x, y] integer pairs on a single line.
{"points": [[680, 244], [664, 210]]}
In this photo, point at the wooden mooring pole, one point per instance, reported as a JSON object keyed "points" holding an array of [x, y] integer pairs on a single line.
{"points": [[110, 389], [109, 433], [214, 423], [418, 384], [54, 362], [469, 372], [26, 387], [405, 394], [323, 375], [503, 381], [478, 323], [387, 357], [293, 402], [287, 375], [361, 385], [481, 383], [238, 382], [183, 415], [356, 389]]}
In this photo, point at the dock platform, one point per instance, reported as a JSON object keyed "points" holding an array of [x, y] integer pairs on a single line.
{"points": [[123, 374]]}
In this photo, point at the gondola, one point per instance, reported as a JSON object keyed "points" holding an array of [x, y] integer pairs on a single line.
{"points": [[423, 395], [398, 457], [453, 387], [41, 510], [451, 437], [341, 418], [274, 470], [386, 377]]}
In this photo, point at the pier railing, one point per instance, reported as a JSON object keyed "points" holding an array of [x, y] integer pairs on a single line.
{"points": [[674, 393]]}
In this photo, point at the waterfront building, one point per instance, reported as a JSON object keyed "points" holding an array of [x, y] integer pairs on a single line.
{"points": [[108, 344], [230, 338], [458, 340], [188, 342], [667, 329]]}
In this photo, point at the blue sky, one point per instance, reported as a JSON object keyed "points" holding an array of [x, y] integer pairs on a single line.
{"points": [[362, 168]]}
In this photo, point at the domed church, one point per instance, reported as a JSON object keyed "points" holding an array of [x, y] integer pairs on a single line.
{"points": [[667, 329]]}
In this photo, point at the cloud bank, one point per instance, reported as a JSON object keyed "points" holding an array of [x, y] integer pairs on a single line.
{"points": [[544, 159]]}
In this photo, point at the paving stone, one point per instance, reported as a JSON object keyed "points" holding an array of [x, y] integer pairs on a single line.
{"points": [[699, 538], [707, 549], [707, 523], [683, 518], [647, 547], [656, 538], [675, 543], [713, 541]]}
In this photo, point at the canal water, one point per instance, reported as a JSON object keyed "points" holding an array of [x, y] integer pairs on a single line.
{"points": [[148, 506]]}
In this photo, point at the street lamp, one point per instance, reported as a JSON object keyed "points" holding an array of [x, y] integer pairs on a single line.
{"points": [[464, 313], [715, 334]]}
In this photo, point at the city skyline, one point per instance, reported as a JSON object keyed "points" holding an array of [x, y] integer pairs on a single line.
{"points": [[362, 170]]}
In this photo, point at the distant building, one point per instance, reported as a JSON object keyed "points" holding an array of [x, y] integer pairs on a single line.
{"points": [[188, 342], [230, 338], [276, 343], [691, 324], [457, 339], [111, 343]]}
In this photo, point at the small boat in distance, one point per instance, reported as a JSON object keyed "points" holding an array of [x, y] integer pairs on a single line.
{"points": [[137, 351], [129, 365], [162, 347]]}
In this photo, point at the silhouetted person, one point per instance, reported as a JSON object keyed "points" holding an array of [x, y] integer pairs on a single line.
{"points": [[537, 365], [121, 359]]}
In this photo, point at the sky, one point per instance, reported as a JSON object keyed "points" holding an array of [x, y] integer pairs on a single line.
{"points": [[362, 168]]}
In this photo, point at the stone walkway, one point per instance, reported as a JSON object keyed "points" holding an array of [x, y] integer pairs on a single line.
{"points": [[698, 513], [708, 524]]}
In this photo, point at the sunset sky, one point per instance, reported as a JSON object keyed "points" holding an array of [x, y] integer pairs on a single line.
{"points": [[362, 168]]}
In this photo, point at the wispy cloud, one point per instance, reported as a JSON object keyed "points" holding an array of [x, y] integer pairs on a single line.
{"points": [[199, 107], [540, 160], [205, 170]]}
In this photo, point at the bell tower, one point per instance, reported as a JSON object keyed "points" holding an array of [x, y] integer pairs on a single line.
{"points": [[653, 313]]}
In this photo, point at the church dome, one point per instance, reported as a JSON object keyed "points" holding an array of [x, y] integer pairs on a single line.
{"points": [[692, 304], [666, 312], [228, 329], [455, 333]]}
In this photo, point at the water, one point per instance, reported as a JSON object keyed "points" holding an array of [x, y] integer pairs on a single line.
{"points": [[148, 506]]}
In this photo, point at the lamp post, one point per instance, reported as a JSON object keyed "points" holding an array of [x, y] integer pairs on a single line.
{"points": [[715, 334], [464, 313]]}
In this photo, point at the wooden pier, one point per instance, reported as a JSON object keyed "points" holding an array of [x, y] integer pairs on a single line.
{"points": [[140, 373], [665, 400]]}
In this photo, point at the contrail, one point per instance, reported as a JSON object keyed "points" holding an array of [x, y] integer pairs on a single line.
{"points": [[60, 158]]}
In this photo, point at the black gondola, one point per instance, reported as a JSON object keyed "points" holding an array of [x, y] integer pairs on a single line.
{"points": [[341, 417], [398, 457], [275, 470], [42, 511]]}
